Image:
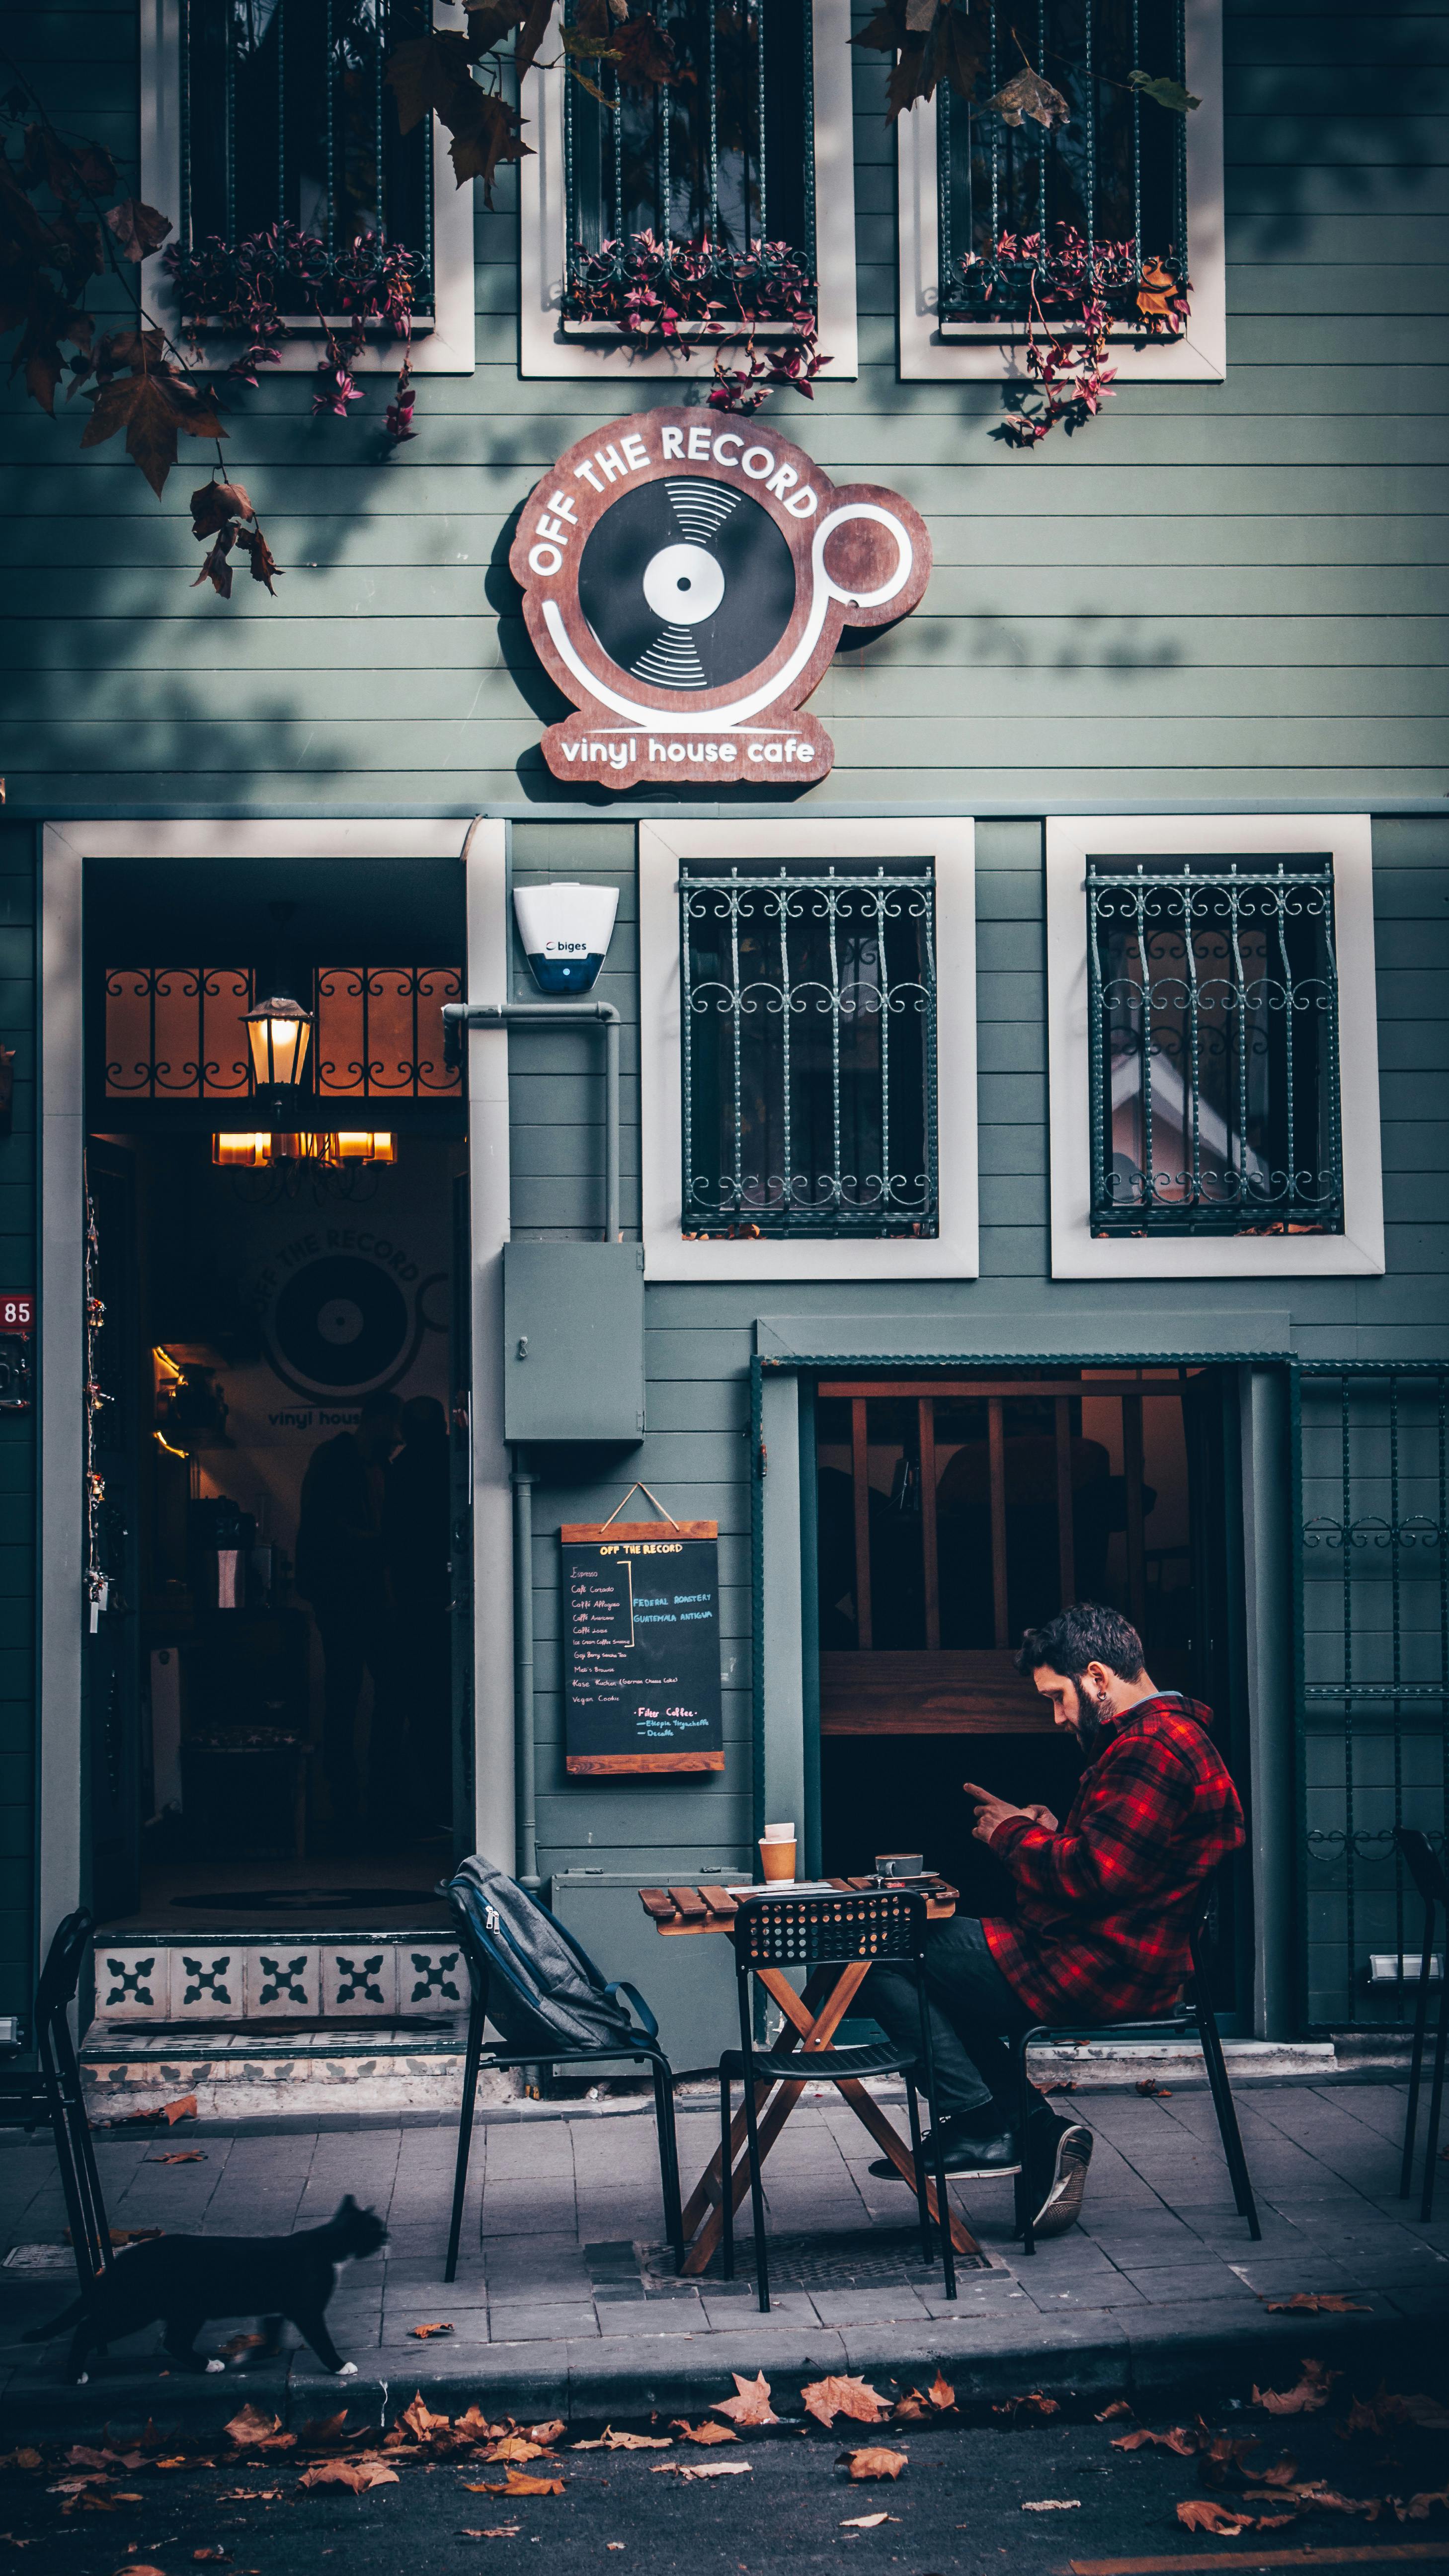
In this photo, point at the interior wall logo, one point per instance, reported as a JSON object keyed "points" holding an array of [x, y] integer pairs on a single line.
{"points": [[342, 1310], [686, 584]]}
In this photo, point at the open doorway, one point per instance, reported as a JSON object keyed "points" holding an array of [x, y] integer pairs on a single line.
{"points": [[951, 1515], [275, 1678]]}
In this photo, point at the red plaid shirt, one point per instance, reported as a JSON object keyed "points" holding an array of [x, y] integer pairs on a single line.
{"points": [[1105, 1906]]}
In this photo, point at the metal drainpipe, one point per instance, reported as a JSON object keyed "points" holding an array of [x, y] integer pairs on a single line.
{"points": [[525, 1798], [533, 1015], [456, 1017]]}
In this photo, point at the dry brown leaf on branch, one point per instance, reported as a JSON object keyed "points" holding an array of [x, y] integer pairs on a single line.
{"points": [[356, 2474], [874, 2463], [836, 2395], [750, 2403], [1185, 2444], [1033, 2408], [139, 229], [867, 2521], [1316, 2303], [707, 2435], [1202, 2513], [1308, 2397], [420, 2334], [1029, 95], [609, 2440], [1113, 2414], [518, 2483], [701, 2469]]}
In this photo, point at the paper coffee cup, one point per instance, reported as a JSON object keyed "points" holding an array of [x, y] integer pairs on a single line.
{"points": [[777, 1856]]}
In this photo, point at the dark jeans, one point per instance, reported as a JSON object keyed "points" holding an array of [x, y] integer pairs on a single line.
{"points": [[970, 2006], [353, 1646]]}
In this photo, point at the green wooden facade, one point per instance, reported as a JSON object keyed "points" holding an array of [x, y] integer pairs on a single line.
{"points": [[1218, 598]]}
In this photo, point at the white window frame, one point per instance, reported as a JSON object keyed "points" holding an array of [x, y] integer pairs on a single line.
{"points": [[448, 349], [1076, 1254], [546, 348], [984, 349], [950, 846]]}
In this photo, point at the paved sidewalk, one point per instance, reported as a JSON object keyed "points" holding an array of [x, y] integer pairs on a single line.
{"points": [[561, 2305]]}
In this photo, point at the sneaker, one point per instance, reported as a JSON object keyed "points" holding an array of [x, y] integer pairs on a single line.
{"points": [[1066, 2180]]}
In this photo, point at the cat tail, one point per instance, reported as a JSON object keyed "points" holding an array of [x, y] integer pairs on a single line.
{"points": [[70, 2316]]}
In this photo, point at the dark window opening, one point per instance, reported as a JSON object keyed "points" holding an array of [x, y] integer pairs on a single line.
{"points": [[809, 1047]]}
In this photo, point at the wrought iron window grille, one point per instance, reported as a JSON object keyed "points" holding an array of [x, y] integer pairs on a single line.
{"points": [[178, 1033], [1026, 215], [698, 194], [286, 119], [1373, 1655], [809, 1052], [1213, 1050]]}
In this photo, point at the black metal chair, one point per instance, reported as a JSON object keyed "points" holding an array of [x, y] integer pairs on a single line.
{"points": [[1432, 1882], [53, 2094], [808, 1932], [1195, 2017], [489, 1967]]}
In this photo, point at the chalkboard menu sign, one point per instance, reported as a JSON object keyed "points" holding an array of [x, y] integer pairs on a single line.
{"points": [[641, 1646]]}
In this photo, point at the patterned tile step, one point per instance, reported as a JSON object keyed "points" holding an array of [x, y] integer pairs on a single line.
{"points": [[260, 1977]]}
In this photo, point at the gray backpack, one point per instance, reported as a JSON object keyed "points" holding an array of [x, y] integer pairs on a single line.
{"points": [[543, 1990]]}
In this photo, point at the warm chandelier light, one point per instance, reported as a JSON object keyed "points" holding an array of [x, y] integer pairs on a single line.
{"points": [[255, 1152], [278, 1032]]}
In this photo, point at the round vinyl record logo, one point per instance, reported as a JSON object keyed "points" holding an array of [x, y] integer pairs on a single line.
{"points": [[686, 584], [341, 1325]]}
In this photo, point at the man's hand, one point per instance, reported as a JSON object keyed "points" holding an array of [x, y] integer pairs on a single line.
{"points": [[992, 1811], [1042, 1816]]}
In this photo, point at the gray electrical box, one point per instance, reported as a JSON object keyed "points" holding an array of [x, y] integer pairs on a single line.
{"points": [[573, 1341]]}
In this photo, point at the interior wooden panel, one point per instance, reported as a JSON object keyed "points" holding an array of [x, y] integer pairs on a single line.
{"points": [[953, 1692]]}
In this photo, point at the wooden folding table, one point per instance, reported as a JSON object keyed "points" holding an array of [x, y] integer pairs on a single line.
{"points": [[682, 1912]]}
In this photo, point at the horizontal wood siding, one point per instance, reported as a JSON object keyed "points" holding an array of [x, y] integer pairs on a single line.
{"points": [[1216, 591]]}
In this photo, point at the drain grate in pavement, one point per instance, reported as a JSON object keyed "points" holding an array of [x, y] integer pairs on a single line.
{"points": [[872, 2258]]}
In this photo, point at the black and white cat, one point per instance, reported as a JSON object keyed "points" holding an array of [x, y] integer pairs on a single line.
{"points": [[187, 2279]]}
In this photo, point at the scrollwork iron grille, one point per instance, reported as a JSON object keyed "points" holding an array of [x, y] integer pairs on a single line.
{"points": [[177, 1032], [1374, 1707], [1213, 1040], [809, 1053], [1023, 212], [380, 1032], [716, 165], [285, 118]]}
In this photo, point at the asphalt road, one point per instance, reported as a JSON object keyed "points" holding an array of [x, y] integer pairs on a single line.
{"points": [[960, 2504]]}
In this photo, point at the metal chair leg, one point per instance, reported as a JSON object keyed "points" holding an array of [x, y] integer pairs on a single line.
{"points": [[668, 2160], [1416, 2061], [923, 2206], [1436, 2099], [928, 2070], [1222, 2092], [1021, 2188], [726, 2182], [757, 2189], [465, 2133]]}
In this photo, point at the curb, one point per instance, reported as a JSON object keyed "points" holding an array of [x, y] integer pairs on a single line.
{"points": [[1084, 2362]]}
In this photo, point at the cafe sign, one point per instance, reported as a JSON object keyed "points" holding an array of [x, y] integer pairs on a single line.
{"points": [[686, 583]]}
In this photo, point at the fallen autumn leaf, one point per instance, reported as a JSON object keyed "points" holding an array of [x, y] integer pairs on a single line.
{"points": [[873, 2463], [420, 2334], [750, 2403], [706, 2434], [835, 2395], [1308, 2396], [1318, 2302], [868, 2521]]}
